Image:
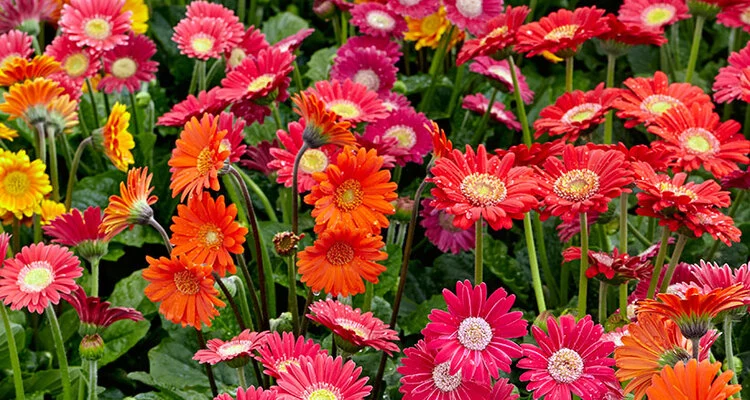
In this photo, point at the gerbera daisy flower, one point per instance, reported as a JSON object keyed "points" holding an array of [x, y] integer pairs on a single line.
{"points": [[258, 78], [354, 192], [14, 44], [322, 377], [409, 128], [202, 38], [26, 15], [423, 378], [99, 24], [575, 113], [694, 381], [711, 275], [206, 231], [48, 210], [441, 145], [649, 98], [7, 133], [472, 15], [312, 161], [534, 155], [235, 138], [736, 180], [62, 114], [132, 206], [352, 327], [340, 258], [736, 16], [429, 30], [376, 19], [184, 289], [391, 48], [253, 41], [234, 30], [95, 314], [571, 359], [30, 100], [351, 101], [198, 157], [281, 350], [127, 66], [257, 158], [622, 36], [321, 125], [37, 276], [727, 86], [441, 232], [503, 390], [251, 393], [293, 42], [184, 111], [480, 186], [366, 66], [614, 268], [714, 222], [584, 180], [78, 63], [138, 15], [24, 183], [251, 111], [116, 140], [500, 72], [478, 103], [500, 36], [236, 352], [80, 229], [653, 15], [20, 69], [561, 32], [474, 334], [414, 9]]}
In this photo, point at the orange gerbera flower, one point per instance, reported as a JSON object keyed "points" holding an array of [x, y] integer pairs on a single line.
{"points": [[322, 127], [62, 113], [20, 69], [441, 145], [341, 257], [29, 100], [206, 231], [354, 192], [132, 206], [692, 381], [198, 157], [117, 141], [186, 290]]}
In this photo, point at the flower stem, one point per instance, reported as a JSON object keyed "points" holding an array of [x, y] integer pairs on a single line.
{"points": [[729, 347], [608, 122], [41, 132], [536, 280], [209, 370], [569, 74], [250, 290], [292, 297], [241, 377], [94, 111], [201, 75], [602, 301], [94, 276], [105, 97], [251, 15], [699, 20], [659, 264], [478, 252], [732, 210], [623, 247], [582, 279], [164, 236], [479, 131], [74, 169], [681, 240], [15, 243], [295, 190], [135, 112], [297, 76], [62, 359], [624, 300], [261, 195], [193, 80], [696, 342], [369, 294], [12, 353], [305, 309], [93, 378], [277, 116], [549, 277], [456, 85], [437, 62], [519, 103], [746, 125], [638, 235], [230, 300], [54, 172]]}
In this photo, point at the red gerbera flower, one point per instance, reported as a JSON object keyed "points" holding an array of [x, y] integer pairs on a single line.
{"points": [[500, 72], [653, 15], [127, 66], [713, 222], [366, 66], [658, 158], [76, 227], [622, 35], [202, 38], [184, 111], [474, 334], [253, 41], [613, 268], [251, 393], [501, 35], [472, 15], [322, 377], [727, 86], [736, 16], [355, 329], [534, 155], [736, 180], [78, 63], [99, 24], [281, 350], [561, 32], [236, 352], [503, 390], [351, 101], [259, 77], [574, 113], [96, 314], [14, 44], [478, 103], [375, 19]]}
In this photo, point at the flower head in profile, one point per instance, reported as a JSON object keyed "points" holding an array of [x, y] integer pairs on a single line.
{"points": [[77, 63], [735, 16], [132, 206], [534, 155], [279, 350], [257, 158], [428, 31], [95, 314], [654, 15], [441, 232], [261, 79], [236, 352], [499, 38], [129, 65], [351, 101], [727, 84], [293, 42], [472, 15], [367, 66], [20, 69], [614, 268], [561, 32], [116, 140], [23, 183], [353, 329], [14, 44], [30, 100], [478, 103], [251, 393], [409, 128], [622, 36], [575, 113], [99, 24], [499, 71], [322, 377], [81, 230], [377, 20], [700, 380], [441, 145], [184, 111], [321, 125]]}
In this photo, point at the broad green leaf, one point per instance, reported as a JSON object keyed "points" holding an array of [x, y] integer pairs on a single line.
{"points": [[137, 236], [388, 280], [320, 64], [20, 337], [167, 392], [42, 382], [282, 25], [121, 337], [95, 190], [129, 293], [171, 364], [497, 261], [68, 326], [416, 320]]}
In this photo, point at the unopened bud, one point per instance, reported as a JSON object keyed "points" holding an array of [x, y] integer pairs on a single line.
{"points": [[92, 347]]}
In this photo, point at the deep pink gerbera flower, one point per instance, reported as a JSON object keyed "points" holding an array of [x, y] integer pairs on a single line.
{"points": [[575, 113], [395, 101], [441, 232], [184, 111], [367, 66], [736, 16], [391, 48], [351, 101], [354, 328], [376, 19], [425, 379], [416, 9], [96, 314], [478, 103], [322, 377], [14, 44], [251, 111], [503, 390], [258, 78], [251, 393], [727, 87], [651, 14], [26, 15], [386, 147], [500, 71], [236, 352], [128, 65], [293, 42], [234, 30], [711, 276], [472, 15], [99, 24], [571, 359], [235, 138], [37, 276], [76, 227], [257, 157], [78, 63], [474, 334], [409, 128], [281, 350], [252, 42], [202, 38]]}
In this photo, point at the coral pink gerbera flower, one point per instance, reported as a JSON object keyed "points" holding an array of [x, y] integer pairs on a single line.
{"points": [[352, 328], [128, 65], [416, 9], [259, 77], [409, 128], [366, 66], [253, 41], [96, 314], [99, 24], [561, 32], [377, 20], [500, 71], [472, 15], [322, 377], [351, 101], [202, 38], [14, 44], [251, 393], [391, 48], [182, 112], [281, 350], [441, 232], [236, 352], [478, 103], [78, 63], [423, 378], [736, 16], [37, 276], [653, 15], [235, 138], [474, 334], [234, 30], [575, 113], [571, 359], [727, 86]]}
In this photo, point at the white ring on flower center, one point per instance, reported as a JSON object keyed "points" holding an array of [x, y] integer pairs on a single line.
{"points": [[404, 135], [565, 365], [475, 333], [469, 8], [368, 78], [581, 112], [35, 277], [233, 348], [380, 20], [444, 381]]}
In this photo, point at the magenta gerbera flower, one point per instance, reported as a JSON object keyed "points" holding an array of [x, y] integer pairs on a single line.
{"points": [[202, 38], [281, 350], [257, 157], [474, 334], [736, 16], [37, 276], [478, 103], [472, 15], [441, 232], [352, 327], [425, 379], [128, 65], [252, 42], [99, 24], [376, 19], [571, 359], [409, 128], [236, 352], [503, 390], [367, 66], [235, 138], [81, 230], [386, 147], [14, 44], [712, 276], [184, 111], [256, 78], [727, 86], [395, 101], [96, 314], [351, 101], [234, 30], [500, 71], [292, 43], [322, 377], [252, 393], [391, 48], [78, 63], [416, 9]]}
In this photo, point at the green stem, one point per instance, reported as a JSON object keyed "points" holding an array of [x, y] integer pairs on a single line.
{"points": [[624, 300], [234, 196], [241, 13], [135, 113], [536, 280], [456, 86], [230, 300], [336, 27], [519, 102], [746, 126], [277, 116], [608, 122], [295, 194], [241, 377], [35, 44], [344, 28], [681, 240], [251, 291], [369, 294], [699, 20], [93, 378], [37, 228], [215, 68], [582, 279], [62, 359], [638, 235], [209, 369], [243, 304], [696, 347], [623, 223], [193, 79], [105, 99], [292, 298], [569, 74], [201, 75], [729, 348], [435, 66], [478, 252], [261, 195], [54, 172], [659, 264], [564, 277], [602, 301], [94, 276], [253, 12], [162, 232], [94, 111], [732, 210], [479, 135], [651, 230], [297, 77], [41, 131], [674, 41], [12, 353], [549, 276]]}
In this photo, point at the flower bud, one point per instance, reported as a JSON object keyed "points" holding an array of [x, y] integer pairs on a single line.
{"points": [[92, 347]]}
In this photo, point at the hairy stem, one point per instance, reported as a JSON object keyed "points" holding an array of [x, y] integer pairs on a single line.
{"points": [[73, 169], [62, 358]]}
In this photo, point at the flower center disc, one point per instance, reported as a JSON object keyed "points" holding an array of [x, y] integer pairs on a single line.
{"points": [[678, 190], [350, 325], [340, 253], [581, 113], [475, 333], [124, 68], [577, 185], [349, 195], [699, 141], [657, 104], [562, 32], [405, 136], [281, 366], [469, 8], [204, 161], [76, 65], [210, 236], [483, 190], [409, 3], [745, 16], [322, 394], [313, 160], [430, 24], [443, 380], [16, 183], [8, 58], [657, 15], [35, 277], [445, 221], [565, 365], [368, 78], [97, 28], [233, 349], [186, 283], [380, 20], [236, 57], [260, 83], [202, 44], [344, 109]]}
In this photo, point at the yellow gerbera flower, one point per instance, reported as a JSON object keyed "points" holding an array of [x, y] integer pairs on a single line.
{"points": [[23, 183], [49, 210], [138, 15], [7, 133], [428, 31], [116, 139]]}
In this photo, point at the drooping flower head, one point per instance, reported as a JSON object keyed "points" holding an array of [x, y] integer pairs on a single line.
{"points": [[99, 24], [352, 328], [561, 32], [366, 66], [132, 206], [202, 38], [321, 125], [428, 31], [351, 101], [23, 183], [441, 145], [116, 140], [653, 15], [692, 380], [236, 352], [478, 103], [261, 79], [499, 71], [322, 377], [258, 158], [129, 65], [31, 100], [575, 113], [441, 232], [409, 129], [81, 230], [95, 314], [376, 19], [192, 106], [14, 44], [280, 350], [251, 393], [614, 268], [78, 63], [472, 15]]}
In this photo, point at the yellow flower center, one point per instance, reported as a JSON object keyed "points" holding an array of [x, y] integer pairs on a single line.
{"points": [[443, 380], [678, 190], [349, 195], [380, 20], [658, 104], [581, 113], [97, 28], [469, 8], [483, 190], [562, 32], [76, 64], [236, 56], [35, 277], [281, 366], [699, 141], [233, 349], [210, 236], [475, 333], [350, 325], [430, 24], [657, 14], [124, 68], [313, 160], [404, 135], [368, 78], [205, 161], [745, 16], [202, 44], [497, 32], [344, 109], [186, 283], [260, 83], [340, 253], [16, 183], [322, 394], [577, 185], [565, 365]]}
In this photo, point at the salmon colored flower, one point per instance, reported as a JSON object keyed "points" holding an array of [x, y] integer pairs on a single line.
{"points": [[350, 101], [23, 183], [253, 41], [561, 32], [99, 24], [355, 329], [116, 140], [322, 377], [236, 352], [321, 126], [201, 38], [132, 206], [21, 69], [693, 381], [233, 28], [262, 78]]}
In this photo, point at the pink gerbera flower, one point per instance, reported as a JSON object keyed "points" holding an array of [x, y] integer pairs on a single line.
{"points": [[376, 19], [128, 65], [252, 393], [352, 328], [441, 232], [727, 86], [26, 15], [78, 63], [281, 350], [500, 71], [571, 359], [14, 44], [575, 113], [81, 230], [711, 276], [651, 14], [478, 103], [257, 78], [236, 352], [235, 138], [252, 42], [395, 101], [292, 43], [503, 390], [202, 38], [257, 157], [367, 66], [391, 48], [37, 276], [416, 9], [184, 111], [472, 14], [351, 101], [474, 334], [322, 377], [96, 314], [409, 128], [425, 379], [736, 16], [234, 30], [99, 24], [386, 147]]}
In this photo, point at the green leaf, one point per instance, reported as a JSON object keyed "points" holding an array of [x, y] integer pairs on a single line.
{"points": [[416, 320], [68, 326], [171, 365], [42, 382], [114, 252], [282, 25], [389, 278], [121, 337], [509, 271], [138, 236], [145, 142], [95, 190], [320, 64], [129, 293], [167, 392], [19, 335]]}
